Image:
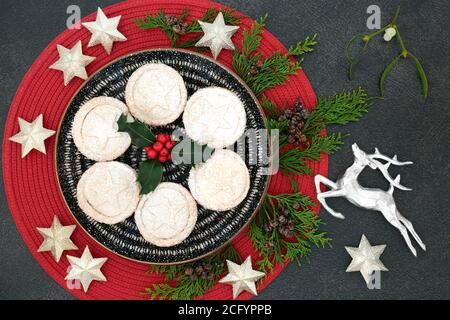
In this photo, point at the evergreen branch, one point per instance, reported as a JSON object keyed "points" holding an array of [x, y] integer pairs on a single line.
{"points": [[338, 109], [273, 247], [273, 70], [179, 286], [270, 108], [306, 46], [294, 161]]}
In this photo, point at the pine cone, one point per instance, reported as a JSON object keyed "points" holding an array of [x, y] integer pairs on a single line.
{"points": [[189, 271], [171, 20], [253, 70], [199, 269], [282, 220]]}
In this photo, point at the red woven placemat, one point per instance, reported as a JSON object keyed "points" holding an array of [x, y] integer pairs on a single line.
{"points": [[31, 185]]}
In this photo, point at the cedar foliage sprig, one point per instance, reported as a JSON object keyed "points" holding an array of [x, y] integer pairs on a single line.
{"points": [[275, 69], [272, 246], [179, 286], [191, 33], [294, 161], [338, 109]]}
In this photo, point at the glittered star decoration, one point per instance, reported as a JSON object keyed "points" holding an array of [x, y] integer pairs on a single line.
{"points": [[57, 239], [242, 277], [366, 259], [32, 135], [217, 35], [86, 269], [104, 31], [72, 62]]}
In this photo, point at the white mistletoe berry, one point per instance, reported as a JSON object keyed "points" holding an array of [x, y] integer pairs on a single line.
{"points": [[389, 34]]}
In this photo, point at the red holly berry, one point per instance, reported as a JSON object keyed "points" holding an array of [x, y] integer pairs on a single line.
{"points": [[151, 153], [169, 157], [162, 138], [170, 144], [157, 146], [164, 152], [162, 159]]}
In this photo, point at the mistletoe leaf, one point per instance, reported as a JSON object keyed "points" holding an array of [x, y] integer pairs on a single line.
{"points": [[422, 75], [387, 71], [150, 175], [141, 135]]}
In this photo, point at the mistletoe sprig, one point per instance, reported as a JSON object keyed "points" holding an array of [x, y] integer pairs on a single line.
{"points": [[391, 30]]}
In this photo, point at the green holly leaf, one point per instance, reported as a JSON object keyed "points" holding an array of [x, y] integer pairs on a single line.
{"points": [[141, 134], [150, 175]]}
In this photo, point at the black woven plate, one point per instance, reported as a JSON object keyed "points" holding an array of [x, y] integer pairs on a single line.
{"points": [[213, 229]]}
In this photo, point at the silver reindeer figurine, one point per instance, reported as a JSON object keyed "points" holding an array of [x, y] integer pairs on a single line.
{"points": [[375, 199]]}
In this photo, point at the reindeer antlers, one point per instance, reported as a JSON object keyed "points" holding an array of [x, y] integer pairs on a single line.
{"points": [[394, 160], [384, 167]]}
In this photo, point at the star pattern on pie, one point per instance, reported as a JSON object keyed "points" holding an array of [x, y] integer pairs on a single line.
{"points": [[161, 92], [172, 207], [104, 131], [111, 191]]}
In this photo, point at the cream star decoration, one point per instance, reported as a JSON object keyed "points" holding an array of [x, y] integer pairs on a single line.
{"points": [[32, 135], [242, 277], [104, 31], [217, 35], [86, 269], [366, 259], [57, 239], [72, 62]]}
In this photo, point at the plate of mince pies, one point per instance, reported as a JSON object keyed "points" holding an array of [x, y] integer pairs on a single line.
{"points": [[197, 208]]}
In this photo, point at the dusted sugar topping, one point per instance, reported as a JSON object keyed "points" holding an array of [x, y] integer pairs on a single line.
{"points": [[108, 192], [215, 116], [95, 130], [156, 94], [222, 182], [166, 216]]}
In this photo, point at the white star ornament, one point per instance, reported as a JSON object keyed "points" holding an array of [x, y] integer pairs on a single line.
{"points": [[104, 31], [366, 259], [242, 277], [32, 135], [217, 35], [86, 269], [72, 62], [57, 239]]}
